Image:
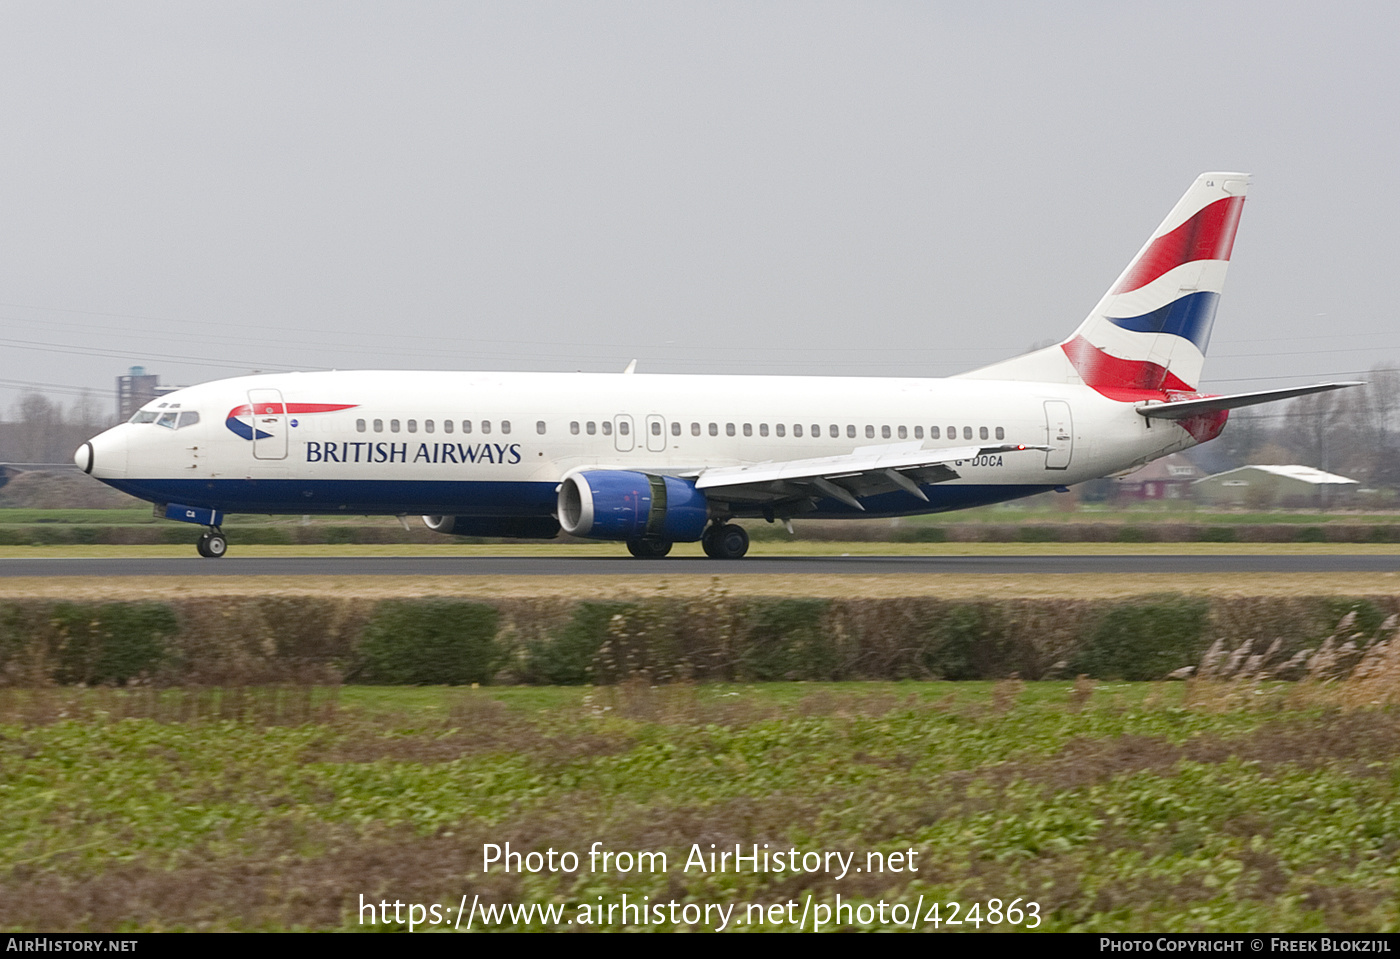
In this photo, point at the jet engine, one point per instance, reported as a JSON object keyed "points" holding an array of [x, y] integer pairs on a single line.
{"points": [[622, 504], [511, 527]]}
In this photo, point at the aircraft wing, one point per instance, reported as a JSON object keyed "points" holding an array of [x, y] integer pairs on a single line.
{"points": [[865, 472]]}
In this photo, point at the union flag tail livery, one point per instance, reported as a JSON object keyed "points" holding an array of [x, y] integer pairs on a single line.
{"points": [[1147, 337], [1150, 331], [652, 460]]}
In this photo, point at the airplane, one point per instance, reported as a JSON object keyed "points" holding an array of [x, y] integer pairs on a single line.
{"points": [[652, 459]]}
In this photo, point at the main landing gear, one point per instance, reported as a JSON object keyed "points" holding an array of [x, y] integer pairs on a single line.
{"points": [[213, 544], [648, 548], [720, 541], [725, 541]]}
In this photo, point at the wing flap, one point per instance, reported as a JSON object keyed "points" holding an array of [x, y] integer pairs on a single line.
{"points": [[866, 471]]}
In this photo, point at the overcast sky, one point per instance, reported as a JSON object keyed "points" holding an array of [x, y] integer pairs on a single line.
{"points": [[867, 188]]}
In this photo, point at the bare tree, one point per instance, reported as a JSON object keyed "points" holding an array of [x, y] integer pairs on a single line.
{"points": [[37, 429], [1382, 417], [86, 414]]}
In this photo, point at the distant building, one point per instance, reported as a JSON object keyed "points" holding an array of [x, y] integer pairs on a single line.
{"points": [[1170, 477], [136, 389], [1261, 487]]}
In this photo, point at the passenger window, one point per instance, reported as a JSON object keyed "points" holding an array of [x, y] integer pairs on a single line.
{"points": [[817, 430], [447, 426], [835, 431], [486, 426], [934, 432], [870, 432], [694, 429], [952, 432], [413, 426], [359, 426], [379, 426], [797, 430], [967, 432], [762, 429], [885, 432], [982, 432], [187, 418], [427, 426], [675, 427], [918, 432], [850, 431], [1001, 433], [167, 420], [466, 426], [728, 429], [591, 427], [714, 429], [655, 428], [573, 427], [623, 428], [779, 429], [748, 429], [903, 432], [539, 427], [505, 426], [393, 426], [607, 428]]}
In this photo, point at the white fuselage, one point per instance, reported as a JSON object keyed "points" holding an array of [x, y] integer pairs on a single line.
{"points": [[499, 443]]}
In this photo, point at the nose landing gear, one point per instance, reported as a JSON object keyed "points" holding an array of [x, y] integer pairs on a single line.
{"points": [[213, 544]]}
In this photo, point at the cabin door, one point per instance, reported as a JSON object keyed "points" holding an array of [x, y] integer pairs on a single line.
{"points": [[1059, 435], [269, 424], [622, 433]]}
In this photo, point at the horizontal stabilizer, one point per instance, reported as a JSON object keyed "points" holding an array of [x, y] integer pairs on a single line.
{"points": [[1181, 409]]}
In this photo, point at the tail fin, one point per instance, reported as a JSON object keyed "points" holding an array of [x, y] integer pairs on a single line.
{"points": [[1150, 331]]}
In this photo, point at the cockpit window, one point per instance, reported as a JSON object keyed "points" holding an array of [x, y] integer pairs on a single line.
{"points": [[171, 419]]}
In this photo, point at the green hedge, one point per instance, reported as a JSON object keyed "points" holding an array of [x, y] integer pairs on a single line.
{"points": [[1146, 639], [107, 643], [430, 641], [228, 640]]}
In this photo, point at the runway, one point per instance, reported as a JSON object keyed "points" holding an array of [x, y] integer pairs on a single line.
{"points": [[1145, 565]]}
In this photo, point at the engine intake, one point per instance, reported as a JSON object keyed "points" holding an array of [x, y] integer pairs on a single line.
{"points": [[622, 504]]}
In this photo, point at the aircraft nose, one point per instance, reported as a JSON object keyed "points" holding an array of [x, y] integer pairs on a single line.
{"points": [[103, 456]]}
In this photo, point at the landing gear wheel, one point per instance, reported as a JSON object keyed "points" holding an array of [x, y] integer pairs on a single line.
{"points": [[707, 539], [648, 548], [729, 541], [212, 545]]}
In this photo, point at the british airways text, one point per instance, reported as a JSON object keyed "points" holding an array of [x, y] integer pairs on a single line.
{"points": [[461, 453]]}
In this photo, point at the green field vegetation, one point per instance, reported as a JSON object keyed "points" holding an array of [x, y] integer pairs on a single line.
{"points": [[1030, 523], [184, 549], [1201, 806], [1034, 510]]}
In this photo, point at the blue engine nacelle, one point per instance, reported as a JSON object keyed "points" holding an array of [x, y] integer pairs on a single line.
{"points": [[622, 504]]}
